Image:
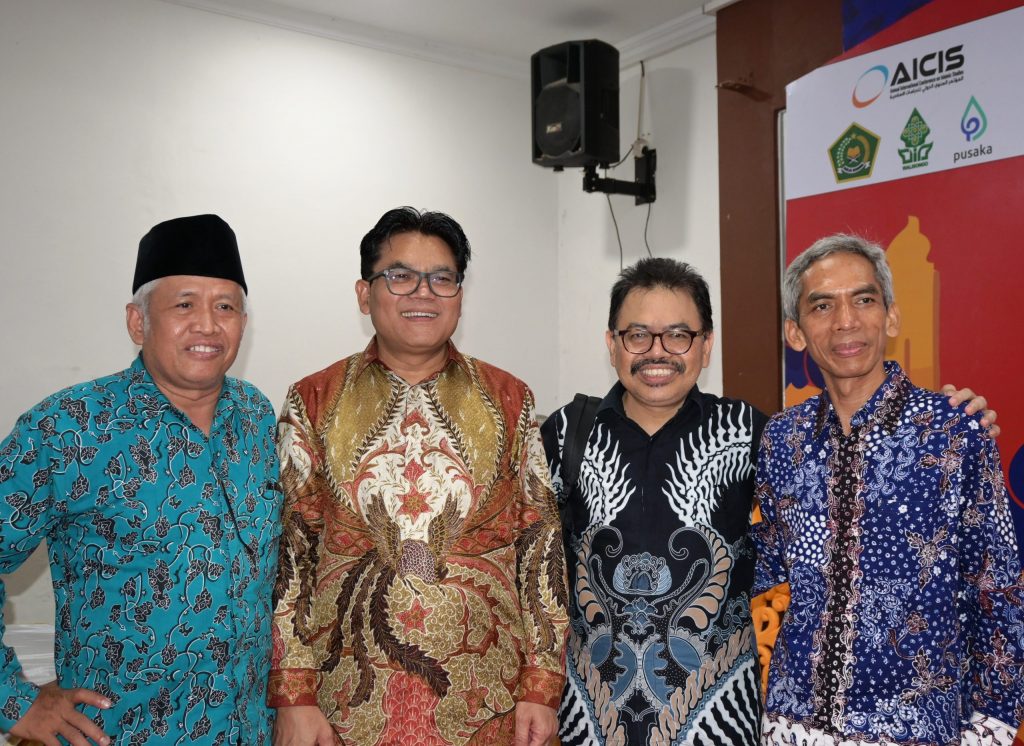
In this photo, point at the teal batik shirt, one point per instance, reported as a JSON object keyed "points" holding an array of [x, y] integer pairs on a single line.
{"points": [[163, 551]]}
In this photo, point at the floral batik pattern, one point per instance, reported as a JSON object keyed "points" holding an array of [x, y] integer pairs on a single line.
{"points": [[906, 624], [422, 591], [161, 542], [661, 648]]}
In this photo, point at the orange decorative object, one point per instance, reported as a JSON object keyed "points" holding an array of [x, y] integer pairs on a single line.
{"points": [[916, 283], [766, 611]]}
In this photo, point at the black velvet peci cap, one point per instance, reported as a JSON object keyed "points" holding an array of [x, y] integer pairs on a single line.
{"points": [[201, 245]]}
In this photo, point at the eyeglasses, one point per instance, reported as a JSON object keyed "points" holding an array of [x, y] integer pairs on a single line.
{"points": [[674, 341], [401, 281]]}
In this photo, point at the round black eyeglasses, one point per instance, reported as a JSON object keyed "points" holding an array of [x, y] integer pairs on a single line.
{"points": [[401, 281], [673, 341]]}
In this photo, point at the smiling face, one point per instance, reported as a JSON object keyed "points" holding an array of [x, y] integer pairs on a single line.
{"points": [[412, 330], [844, 323], [193, 335], [656, 382]]}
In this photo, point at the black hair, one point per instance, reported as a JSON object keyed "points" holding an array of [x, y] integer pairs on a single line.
{"points": [[665, 273], [411, 220]]}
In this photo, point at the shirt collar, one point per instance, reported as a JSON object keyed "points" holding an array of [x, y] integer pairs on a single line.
{"points": [[371, 355], [143, 384], [882, 409], [613, 400], [139, 374]]}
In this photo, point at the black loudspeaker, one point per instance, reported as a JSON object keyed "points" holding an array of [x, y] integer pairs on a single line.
{"points": [[575, 88]]}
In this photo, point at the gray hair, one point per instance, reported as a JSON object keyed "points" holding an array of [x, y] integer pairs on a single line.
{"points": [[141, 300], [142, 295], [840, 243]]}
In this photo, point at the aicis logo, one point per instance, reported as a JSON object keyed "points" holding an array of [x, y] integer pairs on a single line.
{"points": [[929, 65], [909, 77], [870, 86]]}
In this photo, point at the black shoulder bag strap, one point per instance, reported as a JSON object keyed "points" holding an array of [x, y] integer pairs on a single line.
{"points": [[579, 421]]}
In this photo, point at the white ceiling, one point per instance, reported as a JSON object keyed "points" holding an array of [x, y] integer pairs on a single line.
{"points": [[496, 36]]}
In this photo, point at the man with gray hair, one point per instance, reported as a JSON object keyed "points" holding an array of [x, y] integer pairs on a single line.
{"points": [[155, 490], [884, 508], [656, 490]]}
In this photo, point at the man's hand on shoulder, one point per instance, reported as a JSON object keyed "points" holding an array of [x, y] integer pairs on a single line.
{"points": [[302, 725], [974, 404], [535, 724], [53, 714]]}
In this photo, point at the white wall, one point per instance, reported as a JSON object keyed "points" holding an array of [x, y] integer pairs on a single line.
{"points": [[681, 122], [118, 114]]}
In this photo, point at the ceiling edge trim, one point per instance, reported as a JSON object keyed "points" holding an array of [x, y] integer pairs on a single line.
{"points": [[328, 27], [658, 40], [666, 37]]}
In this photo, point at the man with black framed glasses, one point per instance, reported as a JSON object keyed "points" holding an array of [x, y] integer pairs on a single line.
{"points": [[656, 505], [404, 281], [421, 592], [659, 563]]}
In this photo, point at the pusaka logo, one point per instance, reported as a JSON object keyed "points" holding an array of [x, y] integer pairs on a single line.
{"points": [[973, 124]]}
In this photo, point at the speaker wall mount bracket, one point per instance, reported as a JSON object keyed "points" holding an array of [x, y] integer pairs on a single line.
{"points": [[642, 187]]}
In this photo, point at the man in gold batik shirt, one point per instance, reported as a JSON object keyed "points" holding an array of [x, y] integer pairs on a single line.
{"points": [[421, 593]]}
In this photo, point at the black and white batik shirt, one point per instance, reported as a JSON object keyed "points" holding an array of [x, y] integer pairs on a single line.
{"points": [[661, 649]]}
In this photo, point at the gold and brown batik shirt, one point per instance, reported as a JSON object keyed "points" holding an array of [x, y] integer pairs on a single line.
{"points": [[421, 591]]}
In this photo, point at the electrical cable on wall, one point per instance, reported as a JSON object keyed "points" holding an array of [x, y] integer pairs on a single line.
{"points": [[638, 141], [646, 224], [616, 224], [621, 160]]}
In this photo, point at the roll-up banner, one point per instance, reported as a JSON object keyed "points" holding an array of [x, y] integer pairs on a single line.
{"points": [[919, 146]]}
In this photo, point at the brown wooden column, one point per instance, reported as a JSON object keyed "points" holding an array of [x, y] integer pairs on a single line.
{"points": [[762, 46]]}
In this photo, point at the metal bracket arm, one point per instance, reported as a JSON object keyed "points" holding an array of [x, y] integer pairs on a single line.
{"points": [[642, 187]]}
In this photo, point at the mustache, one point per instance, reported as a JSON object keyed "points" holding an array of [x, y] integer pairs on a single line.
{"points": [[637, 365]]}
